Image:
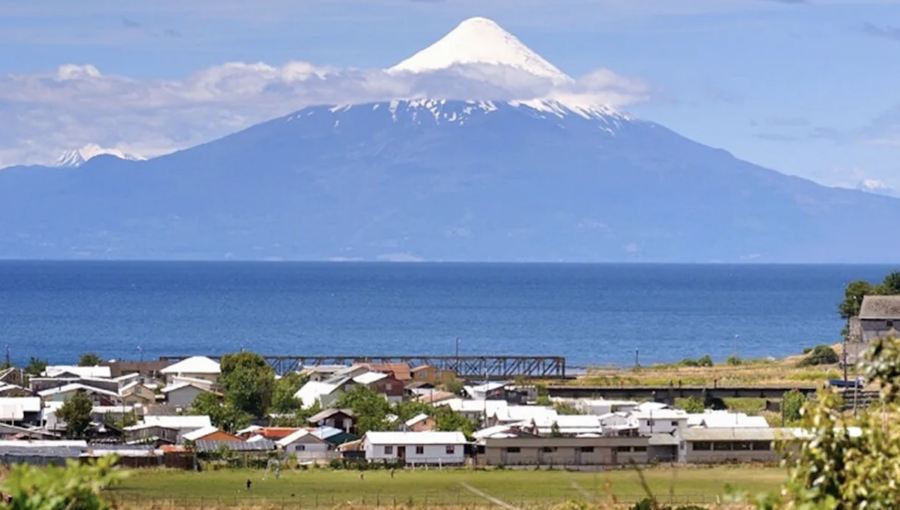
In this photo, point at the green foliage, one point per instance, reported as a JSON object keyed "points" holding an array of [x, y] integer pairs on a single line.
{"points": [[807, 350], [300, 418], [89, 359], [693, 405], [407, 410], [688, 362], [821, 355], [76, 412], [856, 290], [554, 430], [705, 361], [35, 366], [248, 382], [448, 420], [836, 469], [566, 408], [370, 409], [454, 386], [543, 400], [6, 364], [734, 360], [74, 487], [283, 400], [224, 416], [792, 405]]}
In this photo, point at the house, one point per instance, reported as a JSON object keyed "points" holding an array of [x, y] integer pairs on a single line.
{"points": [[196, 367], [514, 414], [527, 450], [435, 448], [14, 390], [136, 393], [400, 371], [436, 397], [488, 390], [475, 410], [420, 423], [337, 418], [182, 395], [656, 418], [169, 429], [601, 407], [707, 446], [75, 372], [334, 436], [431, 375], [418, 388], [305, 445], [879, 316], [100, 414], [568, 425], [321, 373], [323, 393], [270, 433], [383, 384], [20, 410], [725, 419], [98, 396], [210, 433]]}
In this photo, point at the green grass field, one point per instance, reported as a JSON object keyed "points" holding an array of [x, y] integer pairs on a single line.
{"points": [[326, 488]]}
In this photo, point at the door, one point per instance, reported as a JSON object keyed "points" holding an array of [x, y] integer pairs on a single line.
{"points": [[401, 452]]}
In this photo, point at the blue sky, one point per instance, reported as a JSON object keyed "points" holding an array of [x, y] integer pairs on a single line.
{"points": [[805, 87]]}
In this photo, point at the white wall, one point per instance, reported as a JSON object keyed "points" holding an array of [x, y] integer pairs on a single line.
{"points": [[432, 454], [306, 449], [660, 425], [183, 397]]}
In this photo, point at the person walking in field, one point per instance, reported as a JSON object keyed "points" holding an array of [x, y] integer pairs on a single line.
{"points": [[248, 484], [392, 473]]}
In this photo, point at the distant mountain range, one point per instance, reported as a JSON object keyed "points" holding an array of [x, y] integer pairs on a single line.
{"points": [[81, 156], [536, 180]]}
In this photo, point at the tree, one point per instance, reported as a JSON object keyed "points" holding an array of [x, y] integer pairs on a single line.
{"points": [[705, 361], [836, 468], [853, 297], [891, 283], [224, 416], [791, 405], [89, 359], [693, 405], [76, 486], [448, 420], [369, 408], [76, 412], [821, 355], [248, 382], [283, 400], [454, 386], [35, 366]]}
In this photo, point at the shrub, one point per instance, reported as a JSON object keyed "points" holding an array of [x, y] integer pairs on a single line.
{"points": [[705, 361], [688, 362], [693, 405], [791, 404], [807, 350], [821, 355], [733, 360], [335, 464]]}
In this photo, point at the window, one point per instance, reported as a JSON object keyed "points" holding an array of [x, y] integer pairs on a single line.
{"points": [[388, 387], [513, 449], [649, 423], [450, 449], [889, 324], [702, 446], [640, 449], [741, 446], [300, 448], [587, 449], [762, 446], [623, 449], [722, 446], [388, 450], [420, 450], [674, 423], [548, 449]]}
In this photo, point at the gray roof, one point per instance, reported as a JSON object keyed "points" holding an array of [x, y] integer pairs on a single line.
{"points": [[42, 451], [735, 434], [880, 307], [662, 440], [327, 413], [236, 446]]}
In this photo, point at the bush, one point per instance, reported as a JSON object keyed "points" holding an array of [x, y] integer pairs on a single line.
{"points": [[791, 404], [733, 360], [335, 464], [821, 355], [705, 361], [693, 405], [807, 350], [688, 362]]}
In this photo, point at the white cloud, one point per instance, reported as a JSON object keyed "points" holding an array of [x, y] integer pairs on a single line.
{"points": [[47, 113]]}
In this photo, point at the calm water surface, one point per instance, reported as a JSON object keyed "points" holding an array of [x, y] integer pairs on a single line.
{"points": [[591, 314]]}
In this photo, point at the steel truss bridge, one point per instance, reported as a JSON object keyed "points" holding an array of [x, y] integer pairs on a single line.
{"points": [[493, 368]]}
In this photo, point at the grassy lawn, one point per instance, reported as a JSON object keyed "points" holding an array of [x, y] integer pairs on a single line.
{"points": [[326, 488]]}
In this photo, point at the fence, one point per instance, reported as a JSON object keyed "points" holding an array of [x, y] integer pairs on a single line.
{"points": [[448, 499]]}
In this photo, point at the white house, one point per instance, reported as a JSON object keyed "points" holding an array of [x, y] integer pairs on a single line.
{"points": [[305, 445], [98, 396], [486, 390], [475, 410], [182, 424], [660, 421], [726, 420], [197, 367], [325, 394], [602, 407], [436, 448], [182, 395], [71, 371]]}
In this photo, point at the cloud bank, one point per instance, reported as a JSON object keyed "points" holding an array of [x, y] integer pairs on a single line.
{"points": [[45, 114]]}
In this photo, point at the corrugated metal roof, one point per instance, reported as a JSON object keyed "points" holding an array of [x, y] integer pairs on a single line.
{"points": [[662, 440], [236, 446], [193, 365], [415, 438]]}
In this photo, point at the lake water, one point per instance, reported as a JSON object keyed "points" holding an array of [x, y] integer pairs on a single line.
{"points": [[591, 314]]}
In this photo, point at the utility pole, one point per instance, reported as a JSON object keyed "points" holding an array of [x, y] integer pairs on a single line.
{"points": [[637, 362], [457, 355]]}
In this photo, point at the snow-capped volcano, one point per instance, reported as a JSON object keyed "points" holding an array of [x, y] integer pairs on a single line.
{"points": [[877, 187], [481, 41], [80, 156]]}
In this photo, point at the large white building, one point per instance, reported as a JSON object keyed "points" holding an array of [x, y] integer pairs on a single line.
{"points": [[435, 448], [196, 367]]}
